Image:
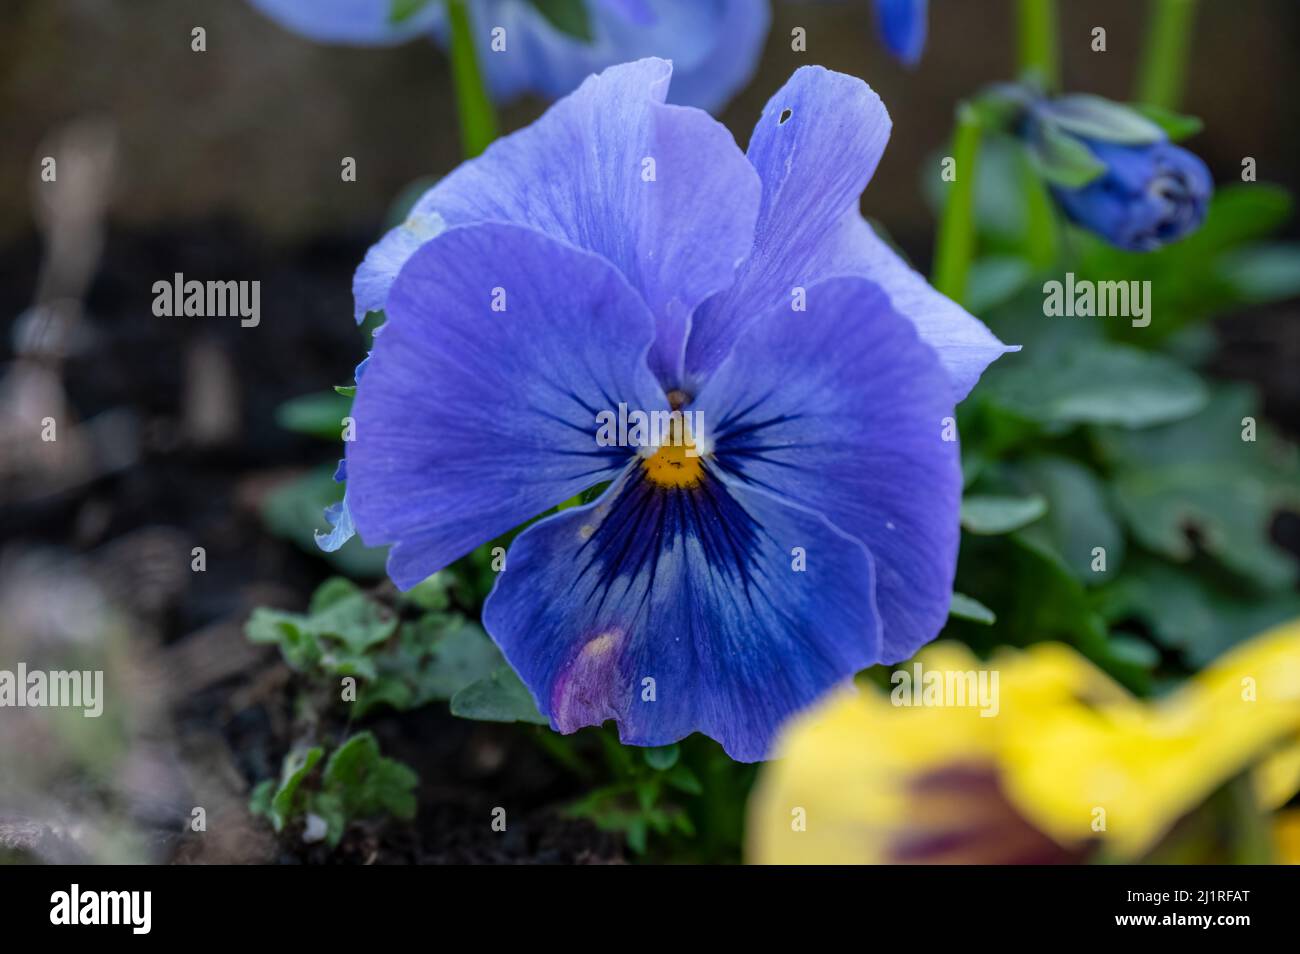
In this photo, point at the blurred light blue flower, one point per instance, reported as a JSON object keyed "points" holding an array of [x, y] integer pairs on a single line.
{"points": [[714, 44], [902, 27]]}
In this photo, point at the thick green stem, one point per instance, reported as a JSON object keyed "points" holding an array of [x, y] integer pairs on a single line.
{"points": [[955, 246], [1039, 53], [1164, 57], [478, 121]]}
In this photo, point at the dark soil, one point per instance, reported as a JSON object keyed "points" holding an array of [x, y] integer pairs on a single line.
{"points": [[229, 701]]}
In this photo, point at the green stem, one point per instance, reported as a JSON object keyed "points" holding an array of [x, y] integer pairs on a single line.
{"points": [[1039, 54], [1164, 57], [955, 246], [478, 121]]}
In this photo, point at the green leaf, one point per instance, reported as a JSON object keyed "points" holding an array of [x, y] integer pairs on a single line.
{"points": [[335, 590], [1239, 213], [1263, 273], [1079, 516], [501, 697], [567, 16], [367, 782], [383, 690], [994, 280], [1096, 382], [1063, 160], [431, 594], [683, 779], [318, 415], [259, 800], [294, 510], [1174, 125], [1197, 484], [458, 653], [298, 644], [969, 608], [285, 806], [347, 390], [661, 758], [1134, 652], [355, 621], [1032, 593], [1093, 117], [357, 782], [987, 514], [1190, 612], [400, 11], [341, 625]]}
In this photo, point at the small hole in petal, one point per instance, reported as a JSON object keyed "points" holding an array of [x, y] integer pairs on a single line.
{"points": [[785, 114]]}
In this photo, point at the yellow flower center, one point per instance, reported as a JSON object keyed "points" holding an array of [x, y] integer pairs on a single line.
{"points": [[677, 463], [671, 466]]}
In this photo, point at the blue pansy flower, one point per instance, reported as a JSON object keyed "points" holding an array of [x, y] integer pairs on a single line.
{"points": [[714, 44], [902, 25], [623, 255], [1113, 171]]}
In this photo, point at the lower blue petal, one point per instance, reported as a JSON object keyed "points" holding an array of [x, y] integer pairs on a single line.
{"points": [[713, 608]]}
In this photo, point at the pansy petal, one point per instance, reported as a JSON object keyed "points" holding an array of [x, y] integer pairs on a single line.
{"points": [[843, 409], [815, 148], [964, 344], [341, 527], [638, 11], [478, 409], [707, 608], [660, 191], [714, 45], [902, 25], [385, 259], [360, 22]]}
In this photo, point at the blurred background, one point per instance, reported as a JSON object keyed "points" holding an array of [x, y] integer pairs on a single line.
{"points": [[175, 435]]}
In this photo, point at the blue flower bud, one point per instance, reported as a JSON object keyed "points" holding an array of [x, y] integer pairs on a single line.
{"points": [[1150, 194]]}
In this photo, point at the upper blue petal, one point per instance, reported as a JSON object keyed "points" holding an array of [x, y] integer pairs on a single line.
{"points": [[471, 419], [815, 148], [662, 192]]}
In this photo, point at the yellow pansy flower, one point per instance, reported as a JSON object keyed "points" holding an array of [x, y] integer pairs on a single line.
{"points": [[1061, 765]]}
